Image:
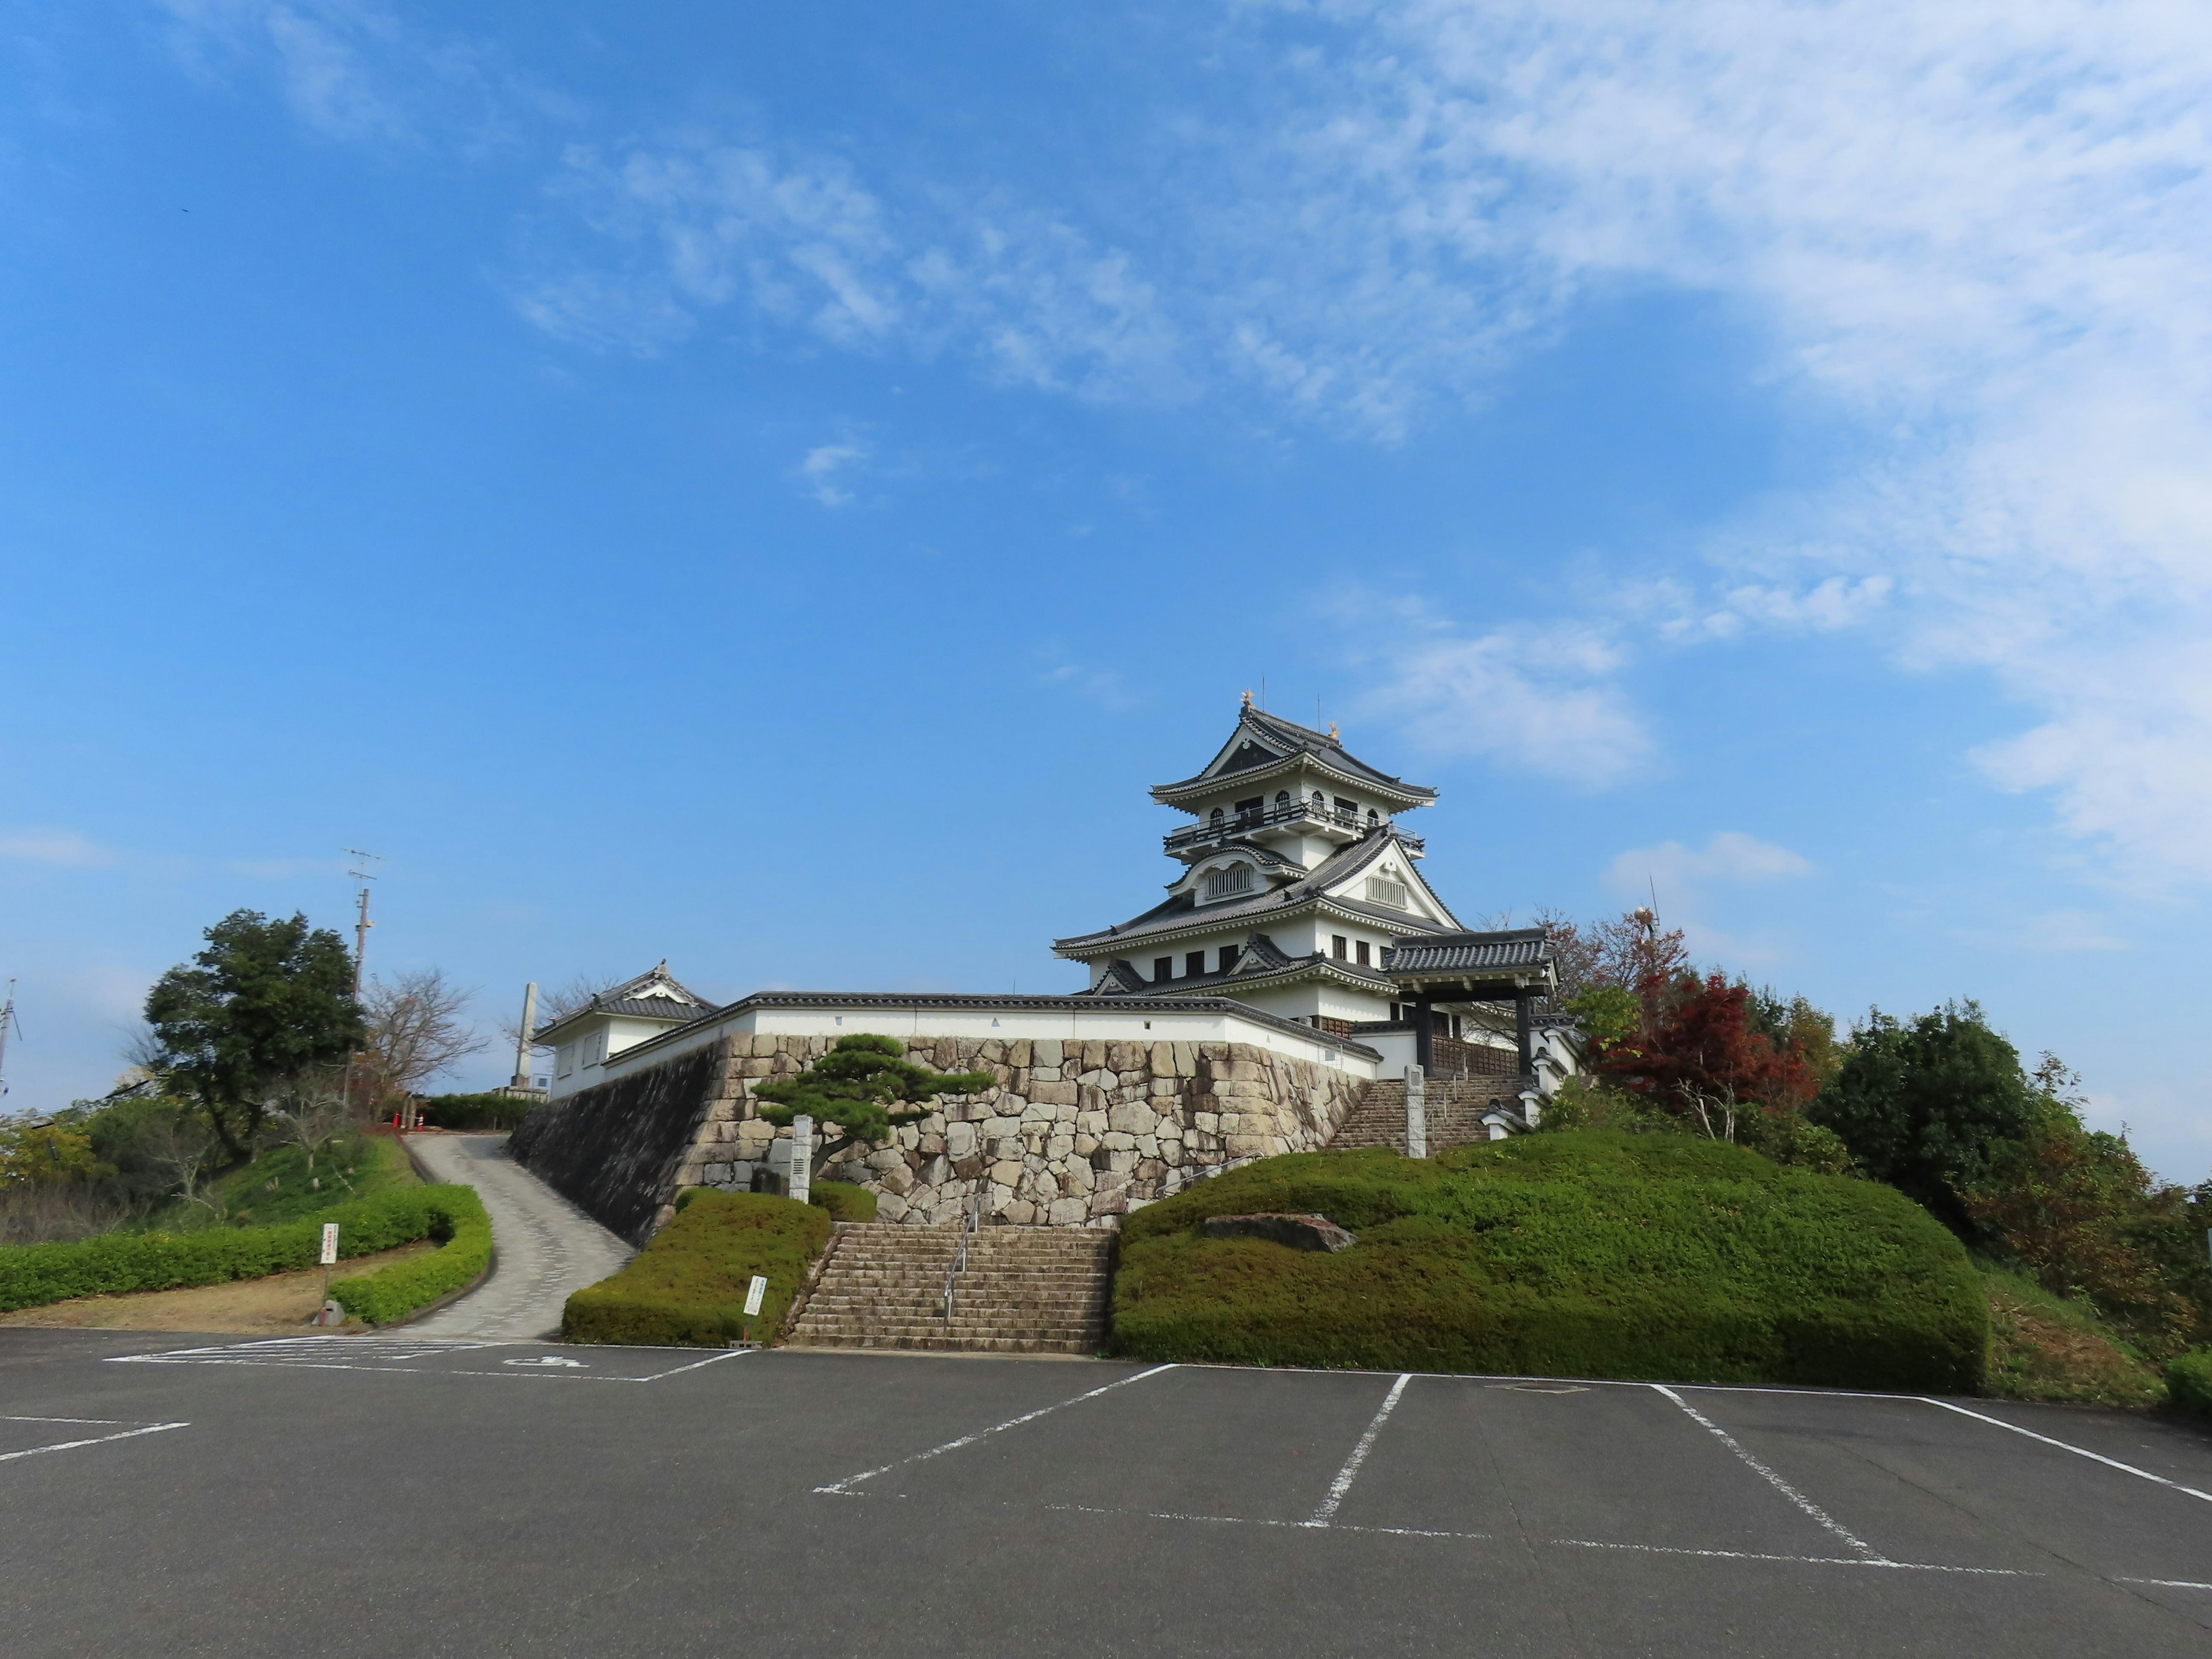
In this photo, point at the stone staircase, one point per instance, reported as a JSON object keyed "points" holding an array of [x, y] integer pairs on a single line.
{"points": [[1454, 1106], [1025, 1290]]}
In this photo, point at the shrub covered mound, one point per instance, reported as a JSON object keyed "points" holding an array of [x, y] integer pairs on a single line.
{"points": [[843, 1200], [456, 1219], [688, 1286], [32, 1275], [1586, 1254], [2189, 1382]]}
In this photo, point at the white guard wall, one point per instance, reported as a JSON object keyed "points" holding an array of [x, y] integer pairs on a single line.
{"points": [[1008, 1019]]}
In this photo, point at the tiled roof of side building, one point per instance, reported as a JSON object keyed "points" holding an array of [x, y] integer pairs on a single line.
{"points": [[1182, 911], [1500, 951], [1268, 738]]}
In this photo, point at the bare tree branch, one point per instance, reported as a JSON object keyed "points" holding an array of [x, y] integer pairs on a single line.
{"points": [[415, 1030], [558, 1003]]}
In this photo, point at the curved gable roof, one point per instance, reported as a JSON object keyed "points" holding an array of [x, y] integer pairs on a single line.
{"points": [[1262, 742]]}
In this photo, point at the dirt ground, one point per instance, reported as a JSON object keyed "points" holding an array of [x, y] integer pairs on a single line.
{"points": [[280, 1303]]}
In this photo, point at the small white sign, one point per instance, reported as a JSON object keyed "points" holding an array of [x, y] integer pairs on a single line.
{"points": [[330, 1242], [754, 1292]]}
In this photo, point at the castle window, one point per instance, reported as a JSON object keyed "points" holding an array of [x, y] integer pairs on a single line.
{"points": [[1162, 970], [1381, 890], [1336, 946], [1229, 954], [1282, 800], [566, 1059], [1214, 821], [1347, 812], [1194, 963], [1251, 811], [1228, 883], [1371, 819], [1319, 803], [1362, 948]]}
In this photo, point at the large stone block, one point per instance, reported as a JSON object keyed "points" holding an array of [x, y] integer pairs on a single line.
{"points": [[1068, 1212], [1046, 1051], [1007, 1172], [1134, 1119], [959, 1139], [1021, 1053], [1094, 1054], [1058, 1094]]}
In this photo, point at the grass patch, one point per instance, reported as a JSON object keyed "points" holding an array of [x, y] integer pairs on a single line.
{"points": [[2051, 1348], [114, 1264], [457, 1221], [1585, 1253], [687, 1286], [844, 1201], [2189, 1382], [278, 1187]]}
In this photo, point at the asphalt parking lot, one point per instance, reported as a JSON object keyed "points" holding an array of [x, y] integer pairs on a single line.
{"points": [[380, 1496]]}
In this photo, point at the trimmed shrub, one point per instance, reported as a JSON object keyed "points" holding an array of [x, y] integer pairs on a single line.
{"points": [[2189, 1382], [844, 1201], [458, 1222], [113, 1264], [1585, 1253], [483, 1111], [686, 1287]]}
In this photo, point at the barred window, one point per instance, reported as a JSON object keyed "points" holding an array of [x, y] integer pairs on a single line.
{"points": [[1227, 883], [1381, 890]]}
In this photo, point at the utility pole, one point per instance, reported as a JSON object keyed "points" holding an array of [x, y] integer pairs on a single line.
{"points": [[8, 1022], [360, 956], [362, 926]]}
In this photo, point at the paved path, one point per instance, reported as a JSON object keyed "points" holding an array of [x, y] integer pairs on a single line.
{"points": [[545, 1246]]}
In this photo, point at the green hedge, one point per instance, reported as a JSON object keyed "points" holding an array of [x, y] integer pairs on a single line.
{"points": [[1587, 1253], [112, 1264], [483, 1111], [458, 1222], [2189, 1382], [688, 1286], [844, 1201]]}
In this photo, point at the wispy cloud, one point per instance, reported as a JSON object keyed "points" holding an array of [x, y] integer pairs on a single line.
{"points": [[1541, 700], [1106, 688], [63, 847], [822, 467], [1689, 884], [698, 226]]}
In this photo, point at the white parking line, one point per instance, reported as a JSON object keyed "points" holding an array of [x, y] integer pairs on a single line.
{"points": [[1344, 1476], [76, 1445], [386, 1355], [1876, 1563], [1781, 1486], [2165, 1583], [2078, 1451], [844, 1488]]}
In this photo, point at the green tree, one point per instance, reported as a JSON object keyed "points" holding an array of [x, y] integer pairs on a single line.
{"points": [[865, 1086], [267, 1001], [1926, 1105]]}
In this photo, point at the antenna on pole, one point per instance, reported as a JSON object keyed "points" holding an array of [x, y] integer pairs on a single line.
{"points": [[363, 924], [8, 1022]]}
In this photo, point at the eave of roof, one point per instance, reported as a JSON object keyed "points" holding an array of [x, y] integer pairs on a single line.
{"points": [[1293, 742], [1177, 917]]}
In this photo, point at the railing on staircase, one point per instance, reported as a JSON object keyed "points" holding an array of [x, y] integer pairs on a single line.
{"points": [[971, 1217]]}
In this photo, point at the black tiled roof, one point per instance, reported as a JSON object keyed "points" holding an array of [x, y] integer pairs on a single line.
{"points": [[1518, 950], [1268, 739], [1182, 910]]}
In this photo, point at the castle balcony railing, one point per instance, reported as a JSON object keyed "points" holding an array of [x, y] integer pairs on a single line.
{"points": [[1335, 821]]}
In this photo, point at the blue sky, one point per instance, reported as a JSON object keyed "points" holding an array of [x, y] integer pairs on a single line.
{"points": [[771, 490]]}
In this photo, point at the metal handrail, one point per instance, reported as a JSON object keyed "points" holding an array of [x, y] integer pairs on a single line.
{"points": [[971, 1218]]}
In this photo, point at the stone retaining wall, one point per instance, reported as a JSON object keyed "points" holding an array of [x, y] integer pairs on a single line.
{"points": [[1074, 1135]]}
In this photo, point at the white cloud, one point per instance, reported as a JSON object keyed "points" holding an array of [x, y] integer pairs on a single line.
{"points": [[63, 848], [821, 467], [802, 241], [1979, 228], [1728, 857], [1541, 700]]}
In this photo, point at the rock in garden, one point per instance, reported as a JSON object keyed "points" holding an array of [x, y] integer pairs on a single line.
{"points": [[1300, 1232]]}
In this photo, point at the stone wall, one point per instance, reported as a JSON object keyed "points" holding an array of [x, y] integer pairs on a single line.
{"points": [[615, 1151], [1074, 1135]]}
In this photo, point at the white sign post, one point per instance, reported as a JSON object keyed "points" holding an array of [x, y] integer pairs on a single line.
{"points": [[802, 1158], [754, 1292], [329, 1255]]}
